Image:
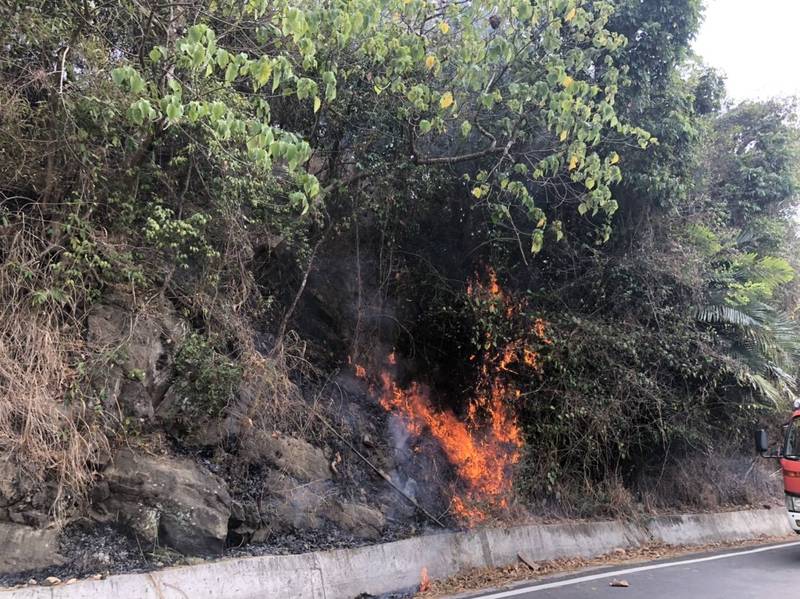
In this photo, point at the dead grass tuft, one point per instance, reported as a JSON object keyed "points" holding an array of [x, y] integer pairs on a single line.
{"points": [[47, 427]]}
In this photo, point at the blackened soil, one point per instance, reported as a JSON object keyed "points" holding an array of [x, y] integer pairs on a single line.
{"points": [[89, 550]]}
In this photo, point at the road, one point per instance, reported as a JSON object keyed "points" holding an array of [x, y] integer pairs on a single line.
{"points": [[754, 573]]}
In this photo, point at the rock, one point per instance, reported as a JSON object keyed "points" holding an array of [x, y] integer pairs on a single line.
{"points": [[261, 535], [169, 501], [99, 492], [32, 582], [27, 548], [9, 488], [143, 522], [51, 581], [138, 348], [356, 518], [24, 500], [294, 505], [35, 518], [295, 457]]}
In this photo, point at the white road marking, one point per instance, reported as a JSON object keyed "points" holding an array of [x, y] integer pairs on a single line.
{"points": [[616, 573]]}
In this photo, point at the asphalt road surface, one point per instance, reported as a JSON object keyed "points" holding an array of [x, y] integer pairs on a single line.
{"points": [[763, 572]]}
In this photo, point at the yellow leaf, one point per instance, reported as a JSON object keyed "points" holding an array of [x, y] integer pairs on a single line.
{"points": [[563, 135], [570, 15], [444, 27], [446, 101], [317, 103], [567, 81], [477, 192], [541, 223], [614, 158], [430, 61], [573, 162]]}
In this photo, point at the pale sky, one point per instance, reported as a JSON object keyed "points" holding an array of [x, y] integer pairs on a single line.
{"points": [[756, 43]]}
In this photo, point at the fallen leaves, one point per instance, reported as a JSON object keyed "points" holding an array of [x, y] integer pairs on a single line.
{"points": [[526, 569]]}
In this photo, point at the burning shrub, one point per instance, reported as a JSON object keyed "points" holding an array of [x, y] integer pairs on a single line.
{"points": [[484, 444]]}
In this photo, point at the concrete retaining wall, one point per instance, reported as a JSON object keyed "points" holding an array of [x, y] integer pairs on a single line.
{"points": [[345, 573]]}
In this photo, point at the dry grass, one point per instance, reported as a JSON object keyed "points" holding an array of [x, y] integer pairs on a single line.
{"points": [[724, 477], [268, 400], [46, 426]]}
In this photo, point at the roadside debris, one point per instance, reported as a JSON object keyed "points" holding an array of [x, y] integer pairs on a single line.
{"points": [[528, 570], [528, 562]]}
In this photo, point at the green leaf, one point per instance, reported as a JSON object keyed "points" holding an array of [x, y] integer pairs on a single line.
{"points": [[174, 110], [119, 76], [231, 72], [537, 240], [137, 83]]}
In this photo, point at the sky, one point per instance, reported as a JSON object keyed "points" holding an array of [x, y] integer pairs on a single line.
{"points": [[756, 43]]}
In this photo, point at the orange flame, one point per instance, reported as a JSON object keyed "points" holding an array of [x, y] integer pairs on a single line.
{"points": [[484, 447], [424, 581]]}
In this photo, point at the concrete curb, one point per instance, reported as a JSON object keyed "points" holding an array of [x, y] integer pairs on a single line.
{"points": [[345, 573]]}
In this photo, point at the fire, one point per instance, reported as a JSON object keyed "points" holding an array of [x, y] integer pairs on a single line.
{"points": [[481, 449], [424, 581], [480, 462], [484, 446], [361, 372]]}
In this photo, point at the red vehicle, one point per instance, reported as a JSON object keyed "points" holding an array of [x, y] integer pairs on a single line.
{"points": [[789, 456]]}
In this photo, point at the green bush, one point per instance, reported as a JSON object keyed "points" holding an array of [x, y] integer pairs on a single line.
{"points": [[205, 381]]}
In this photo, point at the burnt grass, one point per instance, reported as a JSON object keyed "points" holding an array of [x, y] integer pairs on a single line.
{"points": [[90, 549]]}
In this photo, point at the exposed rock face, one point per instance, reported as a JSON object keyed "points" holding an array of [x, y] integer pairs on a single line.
{"points": [[293, 456], [295, 505], [358, 519], [22, 499], [135, 350], [167, 501], [9, 489], [291, 505], [26, 548]]}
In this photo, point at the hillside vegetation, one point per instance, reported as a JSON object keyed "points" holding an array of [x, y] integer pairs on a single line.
{"points": [[221, 221]]}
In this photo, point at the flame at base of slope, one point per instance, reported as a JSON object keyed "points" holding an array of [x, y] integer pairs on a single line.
{"points": [[481, 452], [486, 444], [424, 581]]}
